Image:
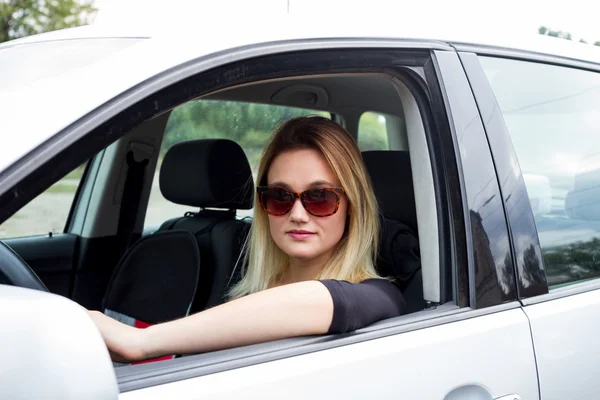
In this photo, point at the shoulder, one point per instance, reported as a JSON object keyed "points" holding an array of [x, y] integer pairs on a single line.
{"points": [[359, 304]]}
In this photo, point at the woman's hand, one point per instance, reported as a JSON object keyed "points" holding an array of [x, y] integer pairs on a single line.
{"points": [[124, 343]]}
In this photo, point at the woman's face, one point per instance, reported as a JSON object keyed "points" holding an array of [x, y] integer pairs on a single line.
{"points": [[304, 237]]}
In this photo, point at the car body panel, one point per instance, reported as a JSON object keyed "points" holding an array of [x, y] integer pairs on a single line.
{"points": [[566, 347], [493, 351]]}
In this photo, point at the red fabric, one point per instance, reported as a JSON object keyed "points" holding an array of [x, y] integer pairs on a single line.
{"points": [[144, 325]]}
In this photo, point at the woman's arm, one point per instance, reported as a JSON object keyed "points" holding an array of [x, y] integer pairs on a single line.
{"points": [[298, 309]]}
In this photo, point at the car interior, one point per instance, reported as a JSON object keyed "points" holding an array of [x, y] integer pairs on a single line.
{"points": [[179, 195]]}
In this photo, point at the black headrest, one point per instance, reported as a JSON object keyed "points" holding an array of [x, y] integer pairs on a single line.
{"points": [[207, 173], [391, 176]]}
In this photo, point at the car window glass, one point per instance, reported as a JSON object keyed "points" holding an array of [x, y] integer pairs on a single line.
{"points": [[48, 212], [249, 124], [372, 132], [553, 114]]}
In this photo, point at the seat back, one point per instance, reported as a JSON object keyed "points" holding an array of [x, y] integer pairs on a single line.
{"points": [[215, 176], [155, 280], [399, 254]]}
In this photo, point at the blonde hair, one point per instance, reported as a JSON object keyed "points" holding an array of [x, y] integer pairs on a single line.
{"points": [[354, 255]]}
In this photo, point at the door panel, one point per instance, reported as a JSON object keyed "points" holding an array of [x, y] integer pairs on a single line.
{"points": [[565, 332], [552, 133], [492, 352], [51, 257]]}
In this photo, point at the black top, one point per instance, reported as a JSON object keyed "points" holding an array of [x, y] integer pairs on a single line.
{"points": [[356, 305]]}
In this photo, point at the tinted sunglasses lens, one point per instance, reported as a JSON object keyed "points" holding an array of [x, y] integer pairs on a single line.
{"points": [[320, 201], [276, 201]]}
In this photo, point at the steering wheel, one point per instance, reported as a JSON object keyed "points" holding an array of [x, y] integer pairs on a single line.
{"points": [[15, 271]]}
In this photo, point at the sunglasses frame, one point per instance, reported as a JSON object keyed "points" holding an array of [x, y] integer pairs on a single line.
{"points": [[260, 190]]}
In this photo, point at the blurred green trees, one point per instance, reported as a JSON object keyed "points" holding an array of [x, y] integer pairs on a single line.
{"points": [[19, 18], [251, 124], [543, 30]]}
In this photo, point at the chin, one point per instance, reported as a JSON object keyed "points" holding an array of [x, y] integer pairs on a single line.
{"points": [[300, 254]]}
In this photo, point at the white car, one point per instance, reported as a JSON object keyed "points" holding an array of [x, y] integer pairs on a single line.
{"points": [[505, 295]]}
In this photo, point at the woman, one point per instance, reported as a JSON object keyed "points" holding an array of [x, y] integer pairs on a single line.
{"points": [[309, 255]]}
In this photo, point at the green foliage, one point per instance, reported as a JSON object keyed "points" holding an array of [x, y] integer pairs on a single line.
{"points": [[372, 132], [543, 30], [249, 124], [20, 18]]}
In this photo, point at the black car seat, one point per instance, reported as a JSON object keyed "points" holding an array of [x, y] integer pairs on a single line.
{"points": [[185, 266], [399, 255], [213, 175]]}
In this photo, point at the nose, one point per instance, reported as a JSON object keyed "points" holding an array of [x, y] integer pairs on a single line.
{"points": [[298, 213]]}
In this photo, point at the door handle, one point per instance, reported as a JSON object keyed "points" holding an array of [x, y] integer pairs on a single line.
{"points": [[509, 397]]}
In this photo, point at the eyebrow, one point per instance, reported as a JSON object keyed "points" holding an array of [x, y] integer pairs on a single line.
{"points": [[312, 184]]}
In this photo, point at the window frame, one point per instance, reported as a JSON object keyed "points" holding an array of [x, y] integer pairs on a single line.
{"points": [[96, 131], [504, 154]]}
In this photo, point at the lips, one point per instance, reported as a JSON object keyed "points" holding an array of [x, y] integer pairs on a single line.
{"points": [[300, 234]]}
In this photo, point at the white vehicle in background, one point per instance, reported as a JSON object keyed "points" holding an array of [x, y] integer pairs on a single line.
{"points": [[505, 303]]}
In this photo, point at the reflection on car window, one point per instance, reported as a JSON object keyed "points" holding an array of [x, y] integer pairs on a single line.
{"points": [[48, 212], [553, 114], [249, 124]]}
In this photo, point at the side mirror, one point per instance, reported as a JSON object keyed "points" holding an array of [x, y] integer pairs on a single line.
{"points": [[51, 348]]}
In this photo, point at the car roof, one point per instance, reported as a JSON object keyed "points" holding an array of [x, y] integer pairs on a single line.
{"points": [[289, 27], [41, 107]]}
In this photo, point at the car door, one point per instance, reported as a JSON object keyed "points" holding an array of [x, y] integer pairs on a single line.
{"points": [[475, 344], [472, 341], [547, 112]]}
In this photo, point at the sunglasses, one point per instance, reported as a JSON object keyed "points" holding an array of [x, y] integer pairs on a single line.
{"points": [[321, 202]]}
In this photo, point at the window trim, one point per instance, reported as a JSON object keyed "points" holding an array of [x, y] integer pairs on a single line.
{"points": [[575, 288], [469, 137], [78, 195], [504, 157]]}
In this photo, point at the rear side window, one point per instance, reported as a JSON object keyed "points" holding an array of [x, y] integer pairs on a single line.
{"points": [[553, 116], [248, 124], [372, 132]]}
